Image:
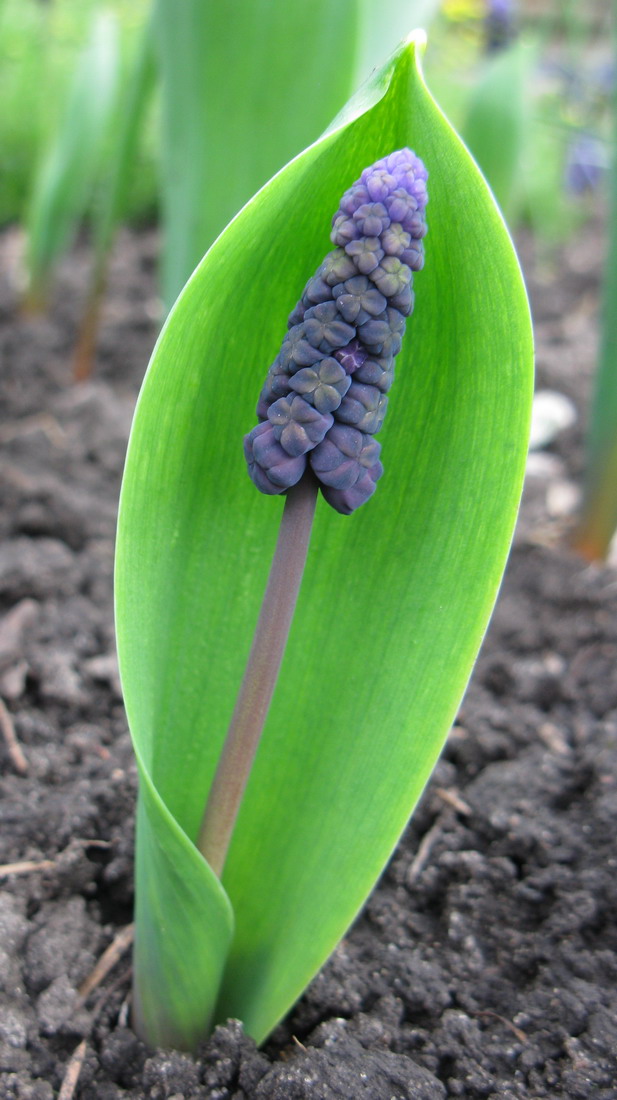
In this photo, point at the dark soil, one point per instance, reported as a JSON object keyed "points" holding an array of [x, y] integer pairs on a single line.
{"points": [[484, 965]]}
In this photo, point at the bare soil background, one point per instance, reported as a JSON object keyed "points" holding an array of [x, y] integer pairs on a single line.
{"points": [[484, 965]]}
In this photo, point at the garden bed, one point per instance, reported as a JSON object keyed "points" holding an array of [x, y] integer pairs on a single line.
{"points": [[484, 965]]}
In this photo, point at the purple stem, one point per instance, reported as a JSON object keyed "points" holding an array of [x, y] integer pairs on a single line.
{"points": [[261, 673]]}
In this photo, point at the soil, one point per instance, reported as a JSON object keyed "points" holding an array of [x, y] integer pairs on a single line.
{"points": [[484, 965]]}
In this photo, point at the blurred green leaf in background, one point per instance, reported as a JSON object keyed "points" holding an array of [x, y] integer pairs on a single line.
{"points": [[497, 122], [597, 524], [69, 166], [244, 87]]}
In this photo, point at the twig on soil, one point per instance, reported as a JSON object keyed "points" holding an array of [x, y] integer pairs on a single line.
{"points": [[73, 1070], [123, 977], [424, 850], [88, 842], [25, 866], [125, 1007], [520, 1034], [39, 421], [107, 961], [14, 749], [454, 800]]}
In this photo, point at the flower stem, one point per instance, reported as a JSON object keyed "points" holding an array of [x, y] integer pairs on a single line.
{"points": [[261, 673]]}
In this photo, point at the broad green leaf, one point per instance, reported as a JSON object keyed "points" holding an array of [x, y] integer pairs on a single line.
{"points": [[240, 96], [395, 598], [177, 963], [63, 185]]}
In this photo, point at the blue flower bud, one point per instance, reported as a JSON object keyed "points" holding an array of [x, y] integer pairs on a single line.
{"points": [[365, 253], [298, 351], [391, 276], [344, 230], [337, 267], [352, 356], [277, 385], [364, 407], [346, 501], [325, 328], [379, 184], [324, 395], [317, 291], [357, 300], [297, 425], [323, 385], [352, 200], [376, 372], [342, 459], [270, 467], [371, 219]]}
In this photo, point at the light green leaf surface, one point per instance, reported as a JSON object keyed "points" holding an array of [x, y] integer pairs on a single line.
{"points": [[395, 598], [243, 89], [63, 185]]}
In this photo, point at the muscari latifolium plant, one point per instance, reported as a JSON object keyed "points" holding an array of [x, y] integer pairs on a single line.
{"points": [[248, 876]]}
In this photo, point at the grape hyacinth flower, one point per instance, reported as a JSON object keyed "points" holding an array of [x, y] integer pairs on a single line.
{"points": [[324, 397]]}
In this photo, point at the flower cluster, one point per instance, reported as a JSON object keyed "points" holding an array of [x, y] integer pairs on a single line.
{"points": [[325, 395]]}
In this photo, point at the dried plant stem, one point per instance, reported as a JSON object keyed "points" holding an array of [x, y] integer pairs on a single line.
{"points": [[14, 749], [107, 961], [261, 673], [26, 866], [73, 1070], [83, 358]]}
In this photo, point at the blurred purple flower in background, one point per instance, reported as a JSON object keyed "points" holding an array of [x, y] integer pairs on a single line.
{"points": [[586, 164], [499, 24]]}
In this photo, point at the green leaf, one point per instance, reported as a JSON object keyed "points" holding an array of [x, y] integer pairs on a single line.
{"points": [[130, 107], [240, 97], [383, 25], [496, 125], [174, 987], [134, 97], [65, 179], [395, 598], [598, 521]]}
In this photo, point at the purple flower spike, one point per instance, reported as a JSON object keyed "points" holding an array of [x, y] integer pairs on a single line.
{"points": [[324, 396]]}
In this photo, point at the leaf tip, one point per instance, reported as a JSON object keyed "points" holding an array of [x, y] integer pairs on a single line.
{"points": [[418, 39]]}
